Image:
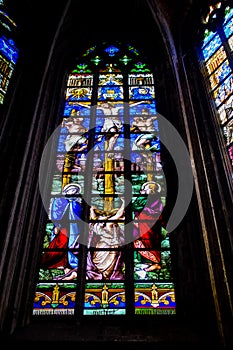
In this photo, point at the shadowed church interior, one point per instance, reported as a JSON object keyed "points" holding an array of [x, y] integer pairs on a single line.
{"points": [[151, 83]]}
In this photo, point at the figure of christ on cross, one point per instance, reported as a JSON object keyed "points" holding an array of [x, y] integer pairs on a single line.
{"points": [[112, 127]]}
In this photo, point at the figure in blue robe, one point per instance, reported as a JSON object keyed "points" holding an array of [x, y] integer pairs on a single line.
{"points": [[66, 212]]}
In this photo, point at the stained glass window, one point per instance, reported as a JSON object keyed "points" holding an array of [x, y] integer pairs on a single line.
{"points": [[8, 51], [216, 53], [106, 250]]}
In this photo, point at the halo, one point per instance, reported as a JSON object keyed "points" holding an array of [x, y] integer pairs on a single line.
{"points": [[73, 187], [146, 136], [153, 182]]}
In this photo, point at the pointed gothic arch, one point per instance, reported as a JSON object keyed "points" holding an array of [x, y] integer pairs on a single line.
{"points": [[110, 113]]}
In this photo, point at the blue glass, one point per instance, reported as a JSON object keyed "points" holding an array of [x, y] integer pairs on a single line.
{"points": [[75, 108], [111, 50], [142, 107], [228, 28], [104, 178], [207, 37], [210, 48], [220, 74], [8, 49], [101, 146], [223, 91], [113, 93], [112, 125], [141, 92]]}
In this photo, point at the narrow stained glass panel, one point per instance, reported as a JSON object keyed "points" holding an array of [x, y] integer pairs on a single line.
{"points": [[219, 66], [8, 57]]}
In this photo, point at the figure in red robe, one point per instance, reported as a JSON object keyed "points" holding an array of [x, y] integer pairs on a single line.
{"points": [[147, 210]]}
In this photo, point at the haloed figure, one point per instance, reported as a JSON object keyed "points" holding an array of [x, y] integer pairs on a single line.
{"points": [[66, 211], [106, 264], [147, 211]]}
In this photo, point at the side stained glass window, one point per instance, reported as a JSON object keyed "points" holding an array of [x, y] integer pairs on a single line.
{"points": [[106, 250], [8, 51], [216, 53]]}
